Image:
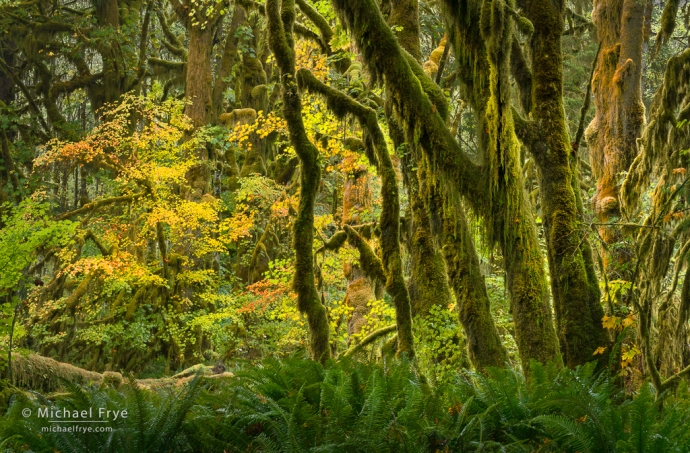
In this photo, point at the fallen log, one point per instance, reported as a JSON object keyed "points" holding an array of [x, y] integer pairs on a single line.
{"points": [[44, 374]]}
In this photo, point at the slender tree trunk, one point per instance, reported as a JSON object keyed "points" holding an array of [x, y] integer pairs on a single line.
{"points": [[227, 62], [280, 23], [107, 14], [360, 288], [391, 261], [575, 294], [483, 342], [428, 284]]}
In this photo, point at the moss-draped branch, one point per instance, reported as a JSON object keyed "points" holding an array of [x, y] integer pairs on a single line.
{"points": [[341, 105]]}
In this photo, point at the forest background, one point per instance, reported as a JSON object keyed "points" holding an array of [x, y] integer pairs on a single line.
{"points": [[464, 184]]}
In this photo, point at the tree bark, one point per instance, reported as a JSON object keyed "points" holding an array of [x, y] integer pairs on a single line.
{"points": [[576, 296], [199, 81], [456, 172], [280, 21], [612, 135], [227, 62], [483, 342], [428, 284], [360, 287], [508, 209]]}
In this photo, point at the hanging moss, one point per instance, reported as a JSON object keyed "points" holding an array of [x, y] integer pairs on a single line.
{"points": [[280, 21], [423, 124], [659, 155], [457, 174], [429, 284], [668, 23], [483, 342]]}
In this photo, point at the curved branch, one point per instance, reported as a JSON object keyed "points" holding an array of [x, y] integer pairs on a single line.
{"points": [[280, 23], [374, 140], [319, 21], [375, 335], [98, 204]]}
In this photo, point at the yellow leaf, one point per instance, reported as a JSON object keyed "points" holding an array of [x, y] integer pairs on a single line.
{"points": [[599, 350], [628, 321], [609, 322]]}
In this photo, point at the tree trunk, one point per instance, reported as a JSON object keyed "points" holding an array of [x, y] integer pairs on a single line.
{"points": [[199, 106], [281, 42], [360, 288], [576, 296], [227, 62], [199, 81], [483, 342], [8, 175], [457, 173], [612, 135], [509, 211], [428, 284]]}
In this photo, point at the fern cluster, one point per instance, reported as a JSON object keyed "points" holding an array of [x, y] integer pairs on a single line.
{"points": [[298, 406], [153, 423], [295, 405]]}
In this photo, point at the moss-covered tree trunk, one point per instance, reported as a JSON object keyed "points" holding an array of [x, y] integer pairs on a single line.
{"points": [[108, 16], [575, 294], [509, 209], [227, 62], [485, 56], [428, 284], [390, 265], [9, 177], [424, 125], [483, 342], [280, 22], [612, 135]]}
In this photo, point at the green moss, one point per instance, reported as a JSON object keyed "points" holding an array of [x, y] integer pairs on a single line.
{"points": [[424, 127], [280, 21], [483, 342], [389, 222], [576, 304]]}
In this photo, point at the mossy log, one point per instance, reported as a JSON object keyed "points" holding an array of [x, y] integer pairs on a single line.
{"points": [[44, 374]]}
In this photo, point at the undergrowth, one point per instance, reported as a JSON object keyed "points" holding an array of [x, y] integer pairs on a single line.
{"points": [[297, 405]]}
